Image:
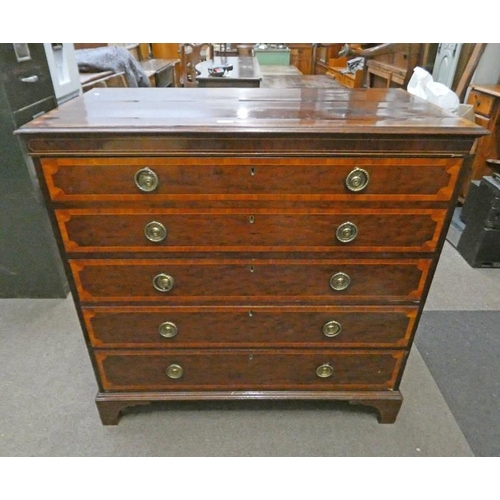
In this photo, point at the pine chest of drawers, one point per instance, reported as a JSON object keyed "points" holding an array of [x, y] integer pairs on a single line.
{"points": [[249, 243]]}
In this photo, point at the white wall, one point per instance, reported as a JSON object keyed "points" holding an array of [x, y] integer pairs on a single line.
{"points": [[488, 70]]}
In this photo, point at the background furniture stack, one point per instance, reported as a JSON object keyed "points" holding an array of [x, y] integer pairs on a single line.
{"points": [[386, 65], [301, 56], [339, 71], [486, 102], [321, 54], [392, 64], [475, 230], [160, 71]]}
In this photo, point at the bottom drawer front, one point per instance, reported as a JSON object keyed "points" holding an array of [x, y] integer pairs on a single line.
{"points": [[248, 370], [216, 327]]}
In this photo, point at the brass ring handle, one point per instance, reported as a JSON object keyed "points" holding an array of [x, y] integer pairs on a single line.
{"points": [[357, 179], [332, 329], [163, 282], [347, 232], [175, 371], [324, 371], [340, 281], [146, 180], [155, 231], [167, 329]]}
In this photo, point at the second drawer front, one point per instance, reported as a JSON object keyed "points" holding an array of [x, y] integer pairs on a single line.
{"points": [[247, 370], [335, 280], [164, 231], [250, 326]]}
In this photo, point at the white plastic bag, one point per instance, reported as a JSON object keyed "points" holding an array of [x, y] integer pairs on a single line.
{"points": [[418, 82], [422, 85]]}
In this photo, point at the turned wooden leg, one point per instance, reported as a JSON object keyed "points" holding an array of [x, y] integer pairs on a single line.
{"points": [[109, 411], [388, 409]]}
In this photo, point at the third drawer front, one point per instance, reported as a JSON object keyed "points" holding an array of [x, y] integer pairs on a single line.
{"points": [[287, 326], [151, 370], [261, 280], [170, 230]]}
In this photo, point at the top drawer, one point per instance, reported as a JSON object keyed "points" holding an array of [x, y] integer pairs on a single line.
{"points": [[233, 178]]}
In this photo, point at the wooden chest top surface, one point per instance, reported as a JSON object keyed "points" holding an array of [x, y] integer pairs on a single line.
{"points": [[179, 110]]}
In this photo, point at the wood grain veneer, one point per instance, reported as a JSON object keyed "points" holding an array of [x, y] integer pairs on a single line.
{"points": [[233, 280], [246, 369], [233, 231], [250, 326], [182, 179]]}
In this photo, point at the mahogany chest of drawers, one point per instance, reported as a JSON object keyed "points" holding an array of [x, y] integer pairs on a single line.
{"points": [[249, 243]]}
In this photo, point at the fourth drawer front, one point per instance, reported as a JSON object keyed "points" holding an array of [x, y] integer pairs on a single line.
{"points": [[259, 326]]}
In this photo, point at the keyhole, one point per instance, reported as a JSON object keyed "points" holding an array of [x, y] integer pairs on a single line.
{"points": [[250, 314], [251, 269], [252, 171], [251, 219]]}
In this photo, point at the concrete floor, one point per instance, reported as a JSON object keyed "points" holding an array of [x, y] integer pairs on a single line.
{"points": [[459, 287]]}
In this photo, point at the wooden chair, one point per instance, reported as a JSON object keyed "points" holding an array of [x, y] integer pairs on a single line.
{"points": [[190, 55]]}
